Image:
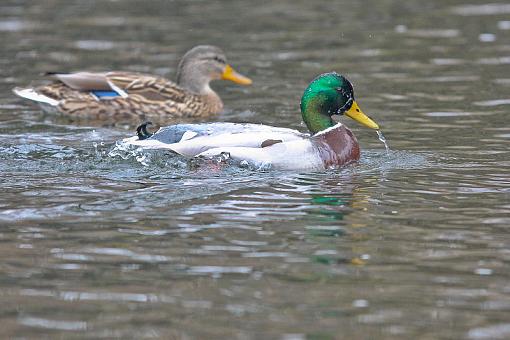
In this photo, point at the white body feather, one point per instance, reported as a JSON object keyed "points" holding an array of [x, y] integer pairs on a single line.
{"points": [[295, 151], [291, 155]]}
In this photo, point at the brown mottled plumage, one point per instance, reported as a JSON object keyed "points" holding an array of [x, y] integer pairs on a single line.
{"points": [[147, 96], [141, 96]]}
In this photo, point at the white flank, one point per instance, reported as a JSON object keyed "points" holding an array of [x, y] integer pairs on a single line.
{"points": [[32, 95], [297, 154]]}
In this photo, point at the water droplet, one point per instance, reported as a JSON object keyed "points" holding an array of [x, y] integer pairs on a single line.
{"points": [[360, 303], [401, 28], [483, 271], [382, 139], [487, 37]]}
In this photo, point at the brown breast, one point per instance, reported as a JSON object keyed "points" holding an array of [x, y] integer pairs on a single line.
{"points": [[337, 147], [213, 102]]}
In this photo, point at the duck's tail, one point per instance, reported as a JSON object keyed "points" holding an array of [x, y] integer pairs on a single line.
{"points": [[31, 94], [141, 131]]}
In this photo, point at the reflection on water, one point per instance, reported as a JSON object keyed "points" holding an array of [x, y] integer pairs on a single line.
{"points": [[103, 241]]}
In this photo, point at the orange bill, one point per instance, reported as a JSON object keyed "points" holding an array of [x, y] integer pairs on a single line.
{"points": [[230, 74]]}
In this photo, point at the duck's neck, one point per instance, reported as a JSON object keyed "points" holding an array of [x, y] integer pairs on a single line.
{"points": [[314, 117], [193, 81]]}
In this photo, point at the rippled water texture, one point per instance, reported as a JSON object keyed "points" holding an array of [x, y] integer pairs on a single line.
{"points": [[99, 241]]}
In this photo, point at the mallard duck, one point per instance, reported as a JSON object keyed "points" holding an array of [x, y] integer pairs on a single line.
{"points": [[118, 95], [329, 144]]}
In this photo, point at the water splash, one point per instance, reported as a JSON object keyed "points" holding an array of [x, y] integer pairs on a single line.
{"points": [[382, 139], [126, 151]]}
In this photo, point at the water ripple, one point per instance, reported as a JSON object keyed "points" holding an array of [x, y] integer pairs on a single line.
{"points": [[53, 324], [485, 9], [103, 241]]}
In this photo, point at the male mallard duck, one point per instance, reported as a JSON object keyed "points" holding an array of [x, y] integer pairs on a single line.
{"points": [[330, 145], [117, 95]]}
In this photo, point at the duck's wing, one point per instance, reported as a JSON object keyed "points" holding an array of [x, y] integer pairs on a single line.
{"points": [[193, 139], [150, 87], [84, 81]]}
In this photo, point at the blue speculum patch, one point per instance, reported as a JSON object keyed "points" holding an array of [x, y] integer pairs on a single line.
{"points": [[105, 94]]}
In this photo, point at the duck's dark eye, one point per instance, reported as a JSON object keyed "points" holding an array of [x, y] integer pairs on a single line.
{"points": [[344, 92], [220, 60]]}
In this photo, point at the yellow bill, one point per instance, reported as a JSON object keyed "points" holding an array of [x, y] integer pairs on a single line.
{"points": [[355, 113], [230, 74]]}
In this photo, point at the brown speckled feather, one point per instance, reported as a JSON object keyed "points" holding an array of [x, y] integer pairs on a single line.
{"points": [[148, 96]]}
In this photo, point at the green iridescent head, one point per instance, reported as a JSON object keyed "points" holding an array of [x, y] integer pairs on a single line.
{"points": [[327, 95]]}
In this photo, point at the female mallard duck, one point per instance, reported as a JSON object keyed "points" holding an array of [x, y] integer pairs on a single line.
{"points": [[330, 145], [118, 95]]}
